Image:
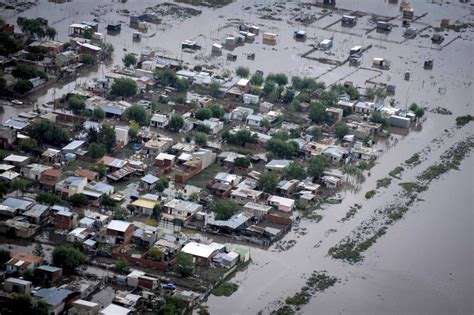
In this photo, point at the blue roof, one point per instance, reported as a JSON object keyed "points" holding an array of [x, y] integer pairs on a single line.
{"points": [[74, 145], [16, 203], [53, 296], [49, 268]]}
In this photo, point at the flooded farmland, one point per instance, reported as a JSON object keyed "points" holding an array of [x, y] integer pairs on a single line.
{"points": [[424, 262]]}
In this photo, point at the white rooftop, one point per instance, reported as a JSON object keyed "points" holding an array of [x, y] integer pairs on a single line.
{"points": [[118, 225], [198, 249]]}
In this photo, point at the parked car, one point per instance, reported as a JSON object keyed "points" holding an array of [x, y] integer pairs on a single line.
{"points": [[169, 286], [17, 102]]}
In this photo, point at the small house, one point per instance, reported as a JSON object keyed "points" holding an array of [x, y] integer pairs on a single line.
{"points": [[277, 165], [118, 232], [148, 182], [281, 203], [348, 20], [159, 121], [65, 220], [33, 171], [70, 186], [202, 253], [21, 262], [15, 285]]}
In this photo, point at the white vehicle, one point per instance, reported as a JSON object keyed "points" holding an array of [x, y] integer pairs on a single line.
{"points": [[17, 102]]}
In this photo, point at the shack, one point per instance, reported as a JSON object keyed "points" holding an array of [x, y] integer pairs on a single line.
{"points": [[380, 63], [270, 37], [299, 35], [348, 20], [384, 26], [356, 50], [325, 44]]}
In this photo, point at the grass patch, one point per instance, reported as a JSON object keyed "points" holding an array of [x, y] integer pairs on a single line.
{"points": [[370, 194], [351, 250], [384, 182], [207, 3], [410, 187], [464, 120], [317, 282], [225, 289], [413, 159], [396, 172]]}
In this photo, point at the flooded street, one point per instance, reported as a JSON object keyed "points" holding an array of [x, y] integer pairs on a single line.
{"points": [[424, 264]]}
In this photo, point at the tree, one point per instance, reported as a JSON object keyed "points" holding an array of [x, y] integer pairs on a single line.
{"points": [[157, 211], [28, 144], [268, 182], [181, 85], [107, 202], [15, 304], [137, 113], [217, 111], [172, 306], [108, 50], [282, 148], [377, 117], [87, 60], [257, 79], [22, 86], [96, 151], [268, 88], [200, 138], [88, 33], [48, 198], [129, 60], [27, 72], [155, 253], [184, 264], [38, 251], [315, 132], [120, 214], [47, 132], [166, 77], [51, 33], [341, 130], [78, 200], [124, 87], [223, 208], [203, 113], [98, 114], [8, 45], [317, 112], [68, 258], [76, 104], [242, 72], [419, 111], [294, 170], [241, 162], [214, 89], [18, 184], [176, 123], [279, 78], [121, 265], [105, 136], [317, 165], [133, 134], [288, 96]]}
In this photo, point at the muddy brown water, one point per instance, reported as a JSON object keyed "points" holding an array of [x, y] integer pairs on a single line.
{"points": [[424, 264]]}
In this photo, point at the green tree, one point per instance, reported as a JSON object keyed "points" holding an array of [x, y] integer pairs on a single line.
{"points": [[105, 136], [200, 138], [129, 60], [279, 78], [217, 111], [294, 170], [317, 112], [47, 132], [241, 162], [96, 150], [224, 208], [76, 104], [172, 306], [87, 59], [155, 253], [121, 265], [27, 72], [28, 144], [268, 182], [18, 184], [78, 200], [98, 114], [419, 112], [166, 77], [23, 86], [242, 72], [203, 113], [288, 96], [157, 211], [181, 85], [133, 134], [8, 45], [120, 214], [256, 79], [281, 148], [184, 264], [214, 89], [137, 113], [68, 258], [176, 123], [124, 87], [88, 33], [341, 130], [317, 165], [377, 117], [268, 88], [48, 198], [108, 50]]}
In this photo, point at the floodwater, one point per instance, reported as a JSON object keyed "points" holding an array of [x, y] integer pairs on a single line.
{"points": [[424, 264]]}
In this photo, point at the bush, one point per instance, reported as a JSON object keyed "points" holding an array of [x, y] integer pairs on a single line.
{"points": [[124, 87], [184, 264], [129, 60], [76, 104], [68, 258], [200, 138], [242, 72], [224, 209], [23, 86], [137, 113]]}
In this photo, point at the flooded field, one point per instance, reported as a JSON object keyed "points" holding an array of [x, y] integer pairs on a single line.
{"points": [[424, 263]]}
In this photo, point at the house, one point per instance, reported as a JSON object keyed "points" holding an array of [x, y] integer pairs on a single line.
{"points": [[277, 165], [16, 123], [112, 163], [364, 108], [254, 120], [70, 186], [95, 190], [73, 146], [78, 235], [332, 179], [154, 147], [50, 178], [89, 50], [119, 232], [257, 210], [90, 175], [148, 182], [38, 214], [334, 114], [56, 298], [336, 154], [145, 204], [240, 113], [234, 224], [244, 195], [17, 160], [281, 203], [165, 159], [226, 178], [33, 171], [114, 309], [18, 227], [52, 156], [9, 176], [94, 220], [159, 121], [17, 205], [48, 274], [83, 307], [287, 187], [65, 220], [227, 158], [137, 278], [145, 235], [21, 261], [202, 253], [15, 285], [180, 210], [214, 124], [265, 107]]}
